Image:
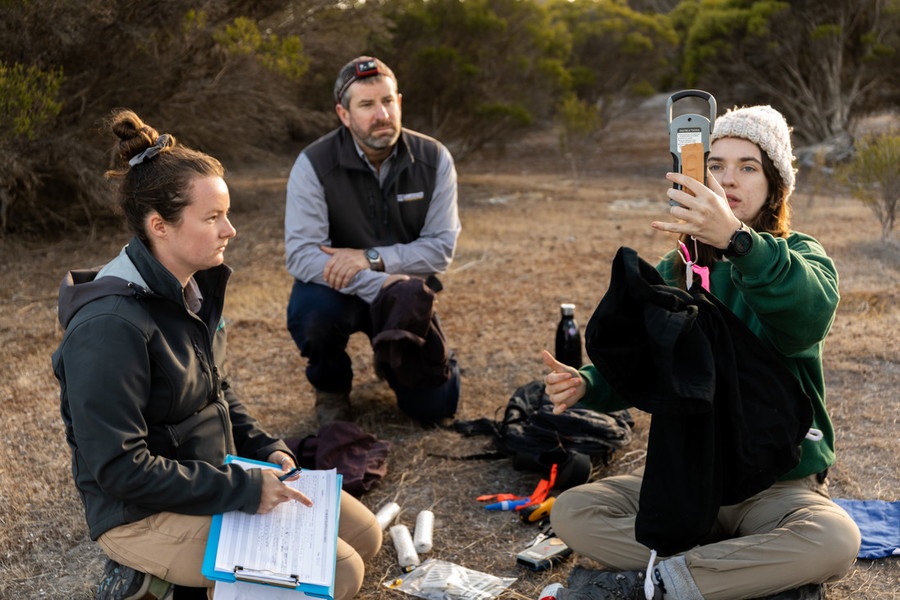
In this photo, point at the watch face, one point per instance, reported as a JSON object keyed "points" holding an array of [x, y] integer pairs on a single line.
{"points": [[372, 254], [741, 243]]}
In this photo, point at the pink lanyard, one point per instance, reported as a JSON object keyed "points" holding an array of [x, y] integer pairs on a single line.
{"points": [[691, 268]]}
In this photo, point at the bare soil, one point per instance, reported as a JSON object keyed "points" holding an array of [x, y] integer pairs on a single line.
{"points": [[536, 232]]}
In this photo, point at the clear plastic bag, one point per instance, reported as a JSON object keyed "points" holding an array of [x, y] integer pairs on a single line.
{"points": [[441, 580]]}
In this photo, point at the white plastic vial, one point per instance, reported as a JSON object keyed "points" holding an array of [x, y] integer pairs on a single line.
{"points": [[424, 531], [386, 514], [403, 544]]}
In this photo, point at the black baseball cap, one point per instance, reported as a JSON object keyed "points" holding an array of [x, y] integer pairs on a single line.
{"points": [[359, 68]]}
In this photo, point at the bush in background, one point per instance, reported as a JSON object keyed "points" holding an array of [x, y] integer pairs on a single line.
{"points": [[873, 174], [252, 82]]}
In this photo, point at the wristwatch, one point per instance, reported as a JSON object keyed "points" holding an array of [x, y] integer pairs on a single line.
{"points": [[740, 243], [375, 262]]}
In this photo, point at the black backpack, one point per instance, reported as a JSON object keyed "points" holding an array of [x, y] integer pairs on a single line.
{"points": [[578, 440]]}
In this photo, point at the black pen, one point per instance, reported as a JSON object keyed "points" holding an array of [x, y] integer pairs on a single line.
{"points": [[290, 473]]}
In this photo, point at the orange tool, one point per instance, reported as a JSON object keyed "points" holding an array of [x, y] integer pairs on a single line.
{"points": [[542, 490], [498, 497]]}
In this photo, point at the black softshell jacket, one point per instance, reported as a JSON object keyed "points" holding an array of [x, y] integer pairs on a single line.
{"points": [[407, 335], [148, 417], [728, 418]]}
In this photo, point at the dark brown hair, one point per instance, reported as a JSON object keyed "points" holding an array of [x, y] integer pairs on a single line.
{"points": [[160, 173], [774, 217]]}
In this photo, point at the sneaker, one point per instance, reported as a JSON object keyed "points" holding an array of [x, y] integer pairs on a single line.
{"points": [[587, 584], [124, 583], [332, 406], [551, 592], [188, 593]]}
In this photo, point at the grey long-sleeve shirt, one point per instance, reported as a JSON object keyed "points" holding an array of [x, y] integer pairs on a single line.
{"points": [[306, 229]]}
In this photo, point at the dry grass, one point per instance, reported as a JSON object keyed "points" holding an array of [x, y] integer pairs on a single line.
{"points": [[533, 237]]}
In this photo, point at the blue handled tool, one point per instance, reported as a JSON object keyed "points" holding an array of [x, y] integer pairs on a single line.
{"points": [[508, 504]]}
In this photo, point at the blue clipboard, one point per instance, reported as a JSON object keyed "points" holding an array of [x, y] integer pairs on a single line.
{"points": [[247, 574]]}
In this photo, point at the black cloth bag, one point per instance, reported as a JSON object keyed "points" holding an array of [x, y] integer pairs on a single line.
{"points": [[728, 417], [407, 337]]}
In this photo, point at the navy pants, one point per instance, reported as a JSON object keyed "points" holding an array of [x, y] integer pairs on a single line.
{"points": [[321, 321]]}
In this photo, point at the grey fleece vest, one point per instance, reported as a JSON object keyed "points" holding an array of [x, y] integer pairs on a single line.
{"points": [[362, 214]]}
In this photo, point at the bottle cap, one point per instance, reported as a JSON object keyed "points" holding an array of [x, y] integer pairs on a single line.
{"points": [[567, 309]]}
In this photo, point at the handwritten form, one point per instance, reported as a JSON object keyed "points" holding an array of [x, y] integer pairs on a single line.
{"points": [[293, 539], [240, 590]]}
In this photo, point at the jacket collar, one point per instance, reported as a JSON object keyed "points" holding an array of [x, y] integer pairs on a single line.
{"points": [[134, 272]]}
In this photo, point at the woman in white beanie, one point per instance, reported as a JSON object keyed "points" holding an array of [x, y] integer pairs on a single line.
{"points": [[789, 539]]}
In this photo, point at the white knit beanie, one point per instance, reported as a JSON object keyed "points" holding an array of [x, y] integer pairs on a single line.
{"points": [[765, 127]]}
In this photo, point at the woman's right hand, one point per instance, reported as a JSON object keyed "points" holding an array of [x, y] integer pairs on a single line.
{"points": [[274, 492], [564, 384]]}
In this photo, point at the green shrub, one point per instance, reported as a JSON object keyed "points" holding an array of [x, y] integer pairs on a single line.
{"points": [[579, 120], [873, 175], [283, 56], [28, 98]]}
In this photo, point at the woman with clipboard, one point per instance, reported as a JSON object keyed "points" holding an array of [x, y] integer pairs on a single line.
{"points": [[148, 413]]}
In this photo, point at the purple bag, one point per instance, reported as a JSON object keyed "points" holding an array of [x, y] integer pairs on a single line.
{"points": [[357, 455]]}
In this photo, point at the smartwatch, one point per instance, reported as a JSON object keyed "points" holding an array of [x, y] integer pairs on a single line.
{"points": [[741, 242], [374, 258]]}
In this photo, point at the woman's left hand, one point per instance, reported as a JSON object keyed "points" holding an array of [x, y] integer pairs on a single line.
{"points": [[704, 216], [274, 491], [282, 459]]}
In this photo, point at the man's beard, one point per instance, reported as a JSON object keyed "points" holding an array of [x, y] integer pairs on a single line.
{"points": [[380, 142]]}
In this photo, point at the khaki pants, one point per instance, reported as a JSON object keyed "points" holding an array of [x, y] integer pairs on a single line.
{"points": [[171, 546], [786, 536]]}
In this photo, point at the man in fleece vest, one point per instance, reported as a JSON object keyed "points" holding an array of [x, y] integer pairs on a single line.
{"points": [[369, 205]]}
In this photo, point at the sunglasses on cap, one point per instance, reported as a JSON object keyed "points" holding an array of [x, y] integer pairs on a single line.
{"points": [[361, 70]]}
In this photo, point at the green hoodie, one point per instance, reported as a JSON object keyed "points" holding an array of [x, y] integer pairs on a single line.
{"points": [[786, 291]]}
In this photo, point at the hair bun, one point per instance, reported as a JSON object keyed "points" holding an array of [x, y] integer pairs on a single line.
{"points": [[135, 136]]}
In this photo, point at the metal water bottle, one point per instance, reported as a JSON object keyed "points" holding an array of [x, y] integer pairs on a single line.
{"points": [[568, 337]]}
